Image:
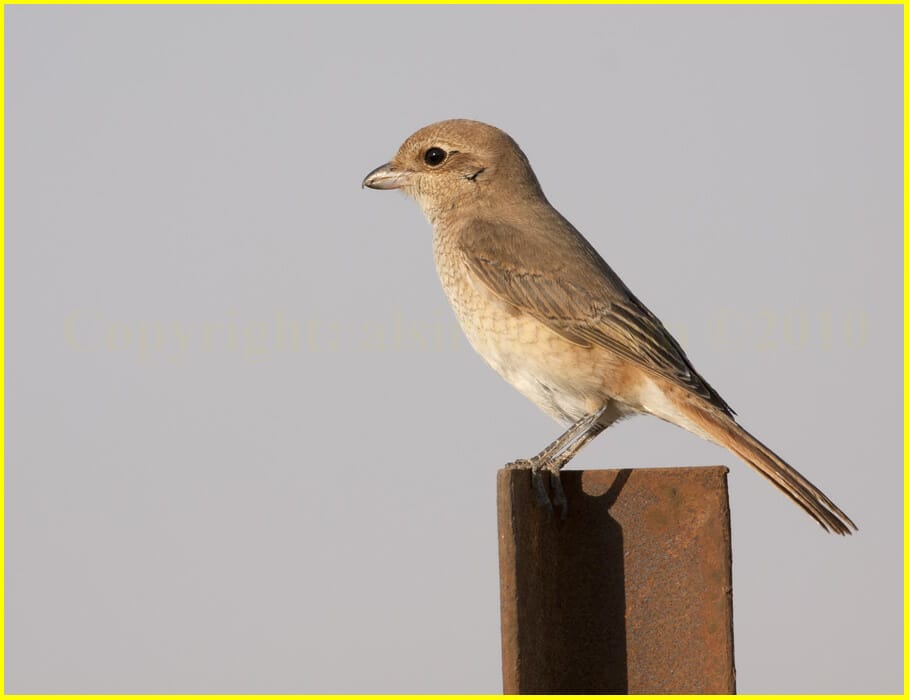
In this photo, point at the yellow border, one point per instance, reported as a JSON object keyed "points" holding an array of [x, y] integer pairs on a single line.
{"points": [[450, 2], [905, 339], [3, 353], [367, 2]]}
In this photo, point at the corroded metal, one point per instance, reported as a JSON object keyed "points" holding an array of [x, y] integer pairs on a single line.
{"points": [[631, 593]]}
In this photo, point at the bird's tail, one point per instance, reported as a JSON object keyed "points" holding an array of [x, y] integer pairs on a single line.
{"points": [[723, 430]]}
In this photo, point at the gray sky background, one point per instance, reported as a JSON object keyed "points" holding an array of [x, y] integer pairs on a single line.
{"points": [[248, 449]]}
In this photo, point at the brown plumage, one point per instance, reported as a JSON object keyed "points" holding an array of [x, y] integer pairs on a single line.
{"points": [[541, 306]]}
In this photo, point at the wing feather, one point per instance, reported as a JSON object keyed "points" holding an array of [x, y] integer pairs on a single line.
{"points": [[595, 310]]}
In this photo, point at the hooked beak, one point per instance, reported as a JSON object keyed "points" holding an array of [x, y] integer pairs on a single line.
{"points": [[386, 177]]}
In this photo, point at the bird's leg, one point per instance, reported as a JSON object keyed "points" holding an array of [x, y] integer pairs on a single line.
{"points": [[556, 462], [557, 454], [576, 429], [555, 465]]}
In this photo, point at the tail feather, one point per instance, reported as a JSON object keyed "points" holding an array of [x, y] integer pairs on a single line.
{"points": [[723, 430]]}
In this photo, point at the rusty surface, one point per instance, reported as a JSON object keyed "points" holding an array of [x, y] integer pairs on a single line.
{"points": [[631, 593]]}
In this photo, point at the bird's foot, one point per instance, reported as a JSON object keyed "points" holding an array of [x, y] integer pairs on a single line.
{"points": [[539, 488], [537, 468], [536, 476], [558, 493]]}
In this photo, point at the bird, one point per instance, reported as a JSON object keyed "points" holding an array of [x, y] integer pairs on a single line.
{"points": [[545, 310]]}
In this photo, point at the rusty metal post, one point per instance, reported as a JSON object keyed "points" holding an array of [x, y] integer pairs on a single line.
{"points": [[631, 593]]}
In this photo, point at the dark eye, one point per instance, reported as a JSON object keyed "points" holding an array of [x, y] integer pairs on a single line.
{"points": [[434, 156]]}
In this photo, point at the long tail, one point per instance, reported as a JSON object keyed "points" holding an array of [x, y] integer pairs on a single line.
{"points": [[724, 431]]}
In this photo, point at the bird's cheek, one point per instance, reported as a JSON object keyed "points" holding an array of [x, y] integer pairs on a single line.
{"points": [[422, 194]]}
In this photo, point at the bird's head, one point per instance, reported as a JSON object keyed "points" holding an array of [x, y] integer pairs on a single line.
{"points": [[457, 163]]}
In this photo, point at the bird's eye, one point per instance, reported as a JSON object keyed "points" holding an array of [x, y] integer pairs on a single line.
{"points": [[434, 156]]}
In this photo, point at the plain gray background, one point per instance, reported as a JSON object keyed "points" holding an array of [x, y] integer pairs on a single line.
{"points": [[248, 449]]}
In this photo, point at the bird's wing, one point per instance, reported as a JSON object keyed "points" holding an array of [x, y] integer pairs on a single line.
{"points": [[592, 309]]}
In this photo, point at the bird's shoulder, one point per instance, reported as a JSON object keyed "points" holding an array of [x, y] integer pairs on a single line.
{"points": [[540, 244], [546, 255]]}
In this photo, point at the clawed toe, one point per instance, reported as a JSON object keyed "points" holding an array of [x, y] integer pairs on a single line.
{"points": [[537, 468], [539, 488], [558, 493]]}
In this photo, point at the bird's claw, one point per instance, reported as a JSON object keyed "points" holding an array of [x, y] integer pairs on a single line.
{"points": [[548, 502], [558, 493], [539, 488]]}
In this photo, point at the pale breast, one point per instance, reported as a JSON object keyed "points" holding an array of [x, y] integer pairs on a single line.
{"points": [[567, 381]]}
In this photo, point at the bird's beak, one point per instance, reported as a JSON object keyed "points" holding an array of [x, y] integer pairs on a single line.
{"points": [[386, 177]]}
